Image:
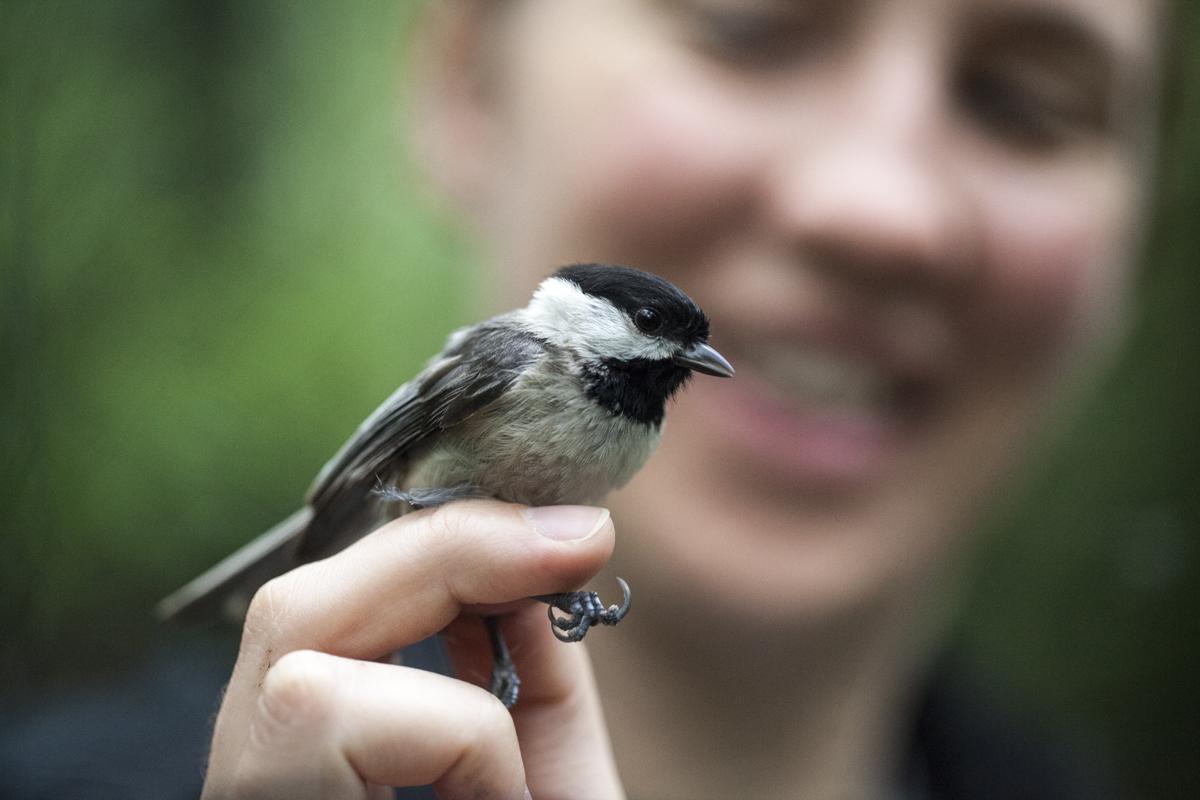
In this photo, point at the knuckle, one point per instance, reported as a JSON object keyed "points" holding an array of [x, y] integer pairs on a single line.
{"points": [[464, 518], [494, 722], [460, 535], [300, 689], [449, 531], [278, 612], [447, 524], [267, 606], [488, 762]]}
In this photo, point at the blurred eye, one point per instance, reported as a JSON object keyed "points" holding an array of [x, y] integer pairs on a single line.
{"points": [[1038, 81], [1029, 111], [759, 35], [647, 320]]}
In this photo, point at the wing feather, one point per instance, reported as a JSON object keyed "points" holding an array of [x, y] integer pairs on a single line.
{"points": [[476, 367]]}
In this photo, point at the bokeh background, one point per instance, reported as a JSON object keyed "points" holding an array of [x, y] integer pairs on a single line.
{"points": [[216, 256]]}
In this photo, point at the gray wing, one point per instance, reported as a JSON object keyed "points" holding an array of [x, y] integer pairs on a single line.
{"points": [[475, 368]]}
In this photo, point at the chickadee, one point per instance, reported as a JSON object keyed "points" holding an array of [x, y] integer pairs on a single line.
{"points": [[555, 403]]}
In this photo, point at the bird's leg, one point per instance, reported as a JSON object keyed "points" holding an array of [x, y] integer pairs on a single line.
{"points": [[585, 610], [506, 685]]}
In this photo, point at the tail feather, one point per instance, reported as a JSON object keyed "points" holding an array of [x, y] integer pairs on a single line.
{"points": [[226, 588]]}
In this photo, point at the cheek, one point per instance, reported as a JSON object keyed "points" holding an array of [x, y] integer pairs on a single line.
{"points": [[1055, 262]]}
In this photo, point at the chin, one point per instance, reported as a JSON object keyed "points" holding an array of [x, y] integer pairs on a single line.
{"points": [[709, 531], [745, 565]]}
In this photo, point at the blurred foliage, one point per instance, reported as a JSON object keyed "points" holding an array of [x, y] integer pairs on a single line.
{"points": [[215, 264], [214, 260]]}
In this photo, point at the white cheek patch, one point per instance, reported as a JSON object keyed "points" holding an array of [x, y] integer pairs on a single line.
{"points": [[562, 314]]}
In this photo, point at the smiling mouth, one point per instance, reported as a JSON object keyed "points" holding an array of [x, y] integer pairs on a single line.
{"points": [[815, 380], [814, 413]]}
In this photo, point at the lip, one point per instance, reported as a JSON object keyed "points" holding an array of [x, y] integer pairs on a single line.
{"points": [[826, 444]]}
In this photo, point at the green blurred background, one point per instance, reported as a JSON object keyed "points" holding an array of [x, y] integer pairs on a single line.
{"points": [[216, 257]]}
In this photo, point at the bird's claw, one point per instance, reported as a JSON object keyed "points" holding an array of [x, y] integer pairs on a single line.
{"points": [[506, 685], [585, 610]]}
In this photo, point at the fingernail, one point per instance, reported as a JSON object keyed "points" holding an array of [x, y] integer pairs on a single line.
{"points": [[565, 523], [528, 796]]}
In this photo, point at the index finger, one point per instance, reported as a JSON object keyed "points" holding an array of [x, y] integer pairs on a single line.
{"points": [[410, 578], [407, 581]]}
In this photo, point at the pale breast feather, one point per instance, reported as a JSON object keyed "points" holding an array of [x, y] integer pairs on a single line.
{"points": [[543, 443]]}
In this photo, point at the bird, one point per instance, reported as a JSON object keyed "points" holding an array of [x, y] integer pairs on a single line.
{"points": [[558, 402]]}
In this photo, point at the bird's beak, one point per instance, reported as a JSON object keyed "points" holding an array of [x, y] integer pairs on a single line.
{"points": [[702, 358]]}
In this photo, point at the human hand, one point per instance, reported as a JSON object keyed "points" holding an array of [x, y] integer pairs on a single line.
{"points": [[309, 712]]}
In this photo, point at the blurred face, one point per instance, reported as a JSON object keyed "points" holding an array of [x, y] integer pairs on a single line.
{"points": [[911, 222]]}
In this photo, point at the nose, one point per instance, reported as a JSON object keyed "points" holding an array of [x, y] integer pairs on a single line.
{"points": [[866, 187]]}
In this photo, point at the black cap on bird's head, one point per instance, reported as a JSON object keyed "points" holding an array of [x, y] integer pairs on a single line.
{"points": [[657, 308]]}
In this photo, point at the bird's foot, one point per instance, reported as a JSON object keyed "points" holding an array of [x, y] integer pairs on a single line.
{"points": [[585, 609], [506, 684]]}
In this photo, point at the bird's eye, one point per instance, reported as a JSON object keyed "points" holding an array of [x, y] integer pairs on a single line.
{"points": [[647, 320]]}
